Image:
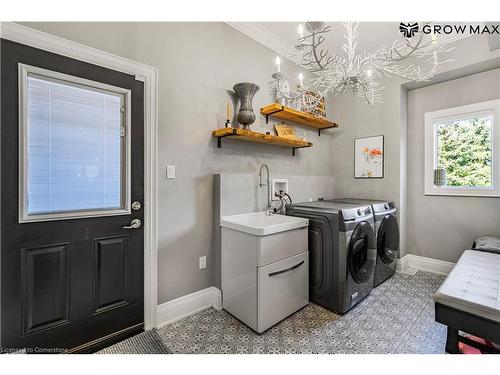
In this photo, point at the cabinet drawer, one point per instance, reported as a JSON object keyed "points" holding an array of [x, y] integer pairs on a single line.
{"points": [[281, 246], [283, 288]]}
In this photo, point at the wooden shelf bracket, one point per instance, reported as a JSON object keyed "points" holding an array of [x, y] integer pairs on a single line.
{"points": [[273, 112]]}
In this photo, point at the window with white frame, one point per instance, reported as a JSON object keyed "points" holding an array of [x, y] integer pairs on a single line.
{"points": [[462, 150], [74, 147]]}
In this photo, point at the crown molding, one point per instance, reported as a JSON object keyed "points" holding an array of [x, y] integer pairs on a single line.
{"points": [[51, 43], [263, 35]]}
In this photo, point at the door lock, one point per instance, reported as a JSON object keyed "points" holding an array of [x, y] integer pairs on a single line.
{"points": [[134, 224], [136, 205]]}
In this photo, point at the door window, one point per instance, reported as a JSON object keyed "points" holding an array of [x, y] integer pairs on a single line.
{"points": [[74, 147]]}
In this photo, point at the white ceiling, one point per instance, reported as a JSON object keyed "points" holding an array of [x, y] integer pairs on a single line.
{"points": [[282, 36]]}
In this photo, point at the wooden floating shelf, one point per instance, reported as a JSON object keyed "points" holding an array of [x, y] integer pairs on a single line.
{"points": [[289, 114], [250, 136]]}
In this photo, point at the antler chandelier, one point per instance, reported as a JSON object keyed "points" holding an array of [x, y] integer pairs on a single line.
{"points": [[360, 73]]}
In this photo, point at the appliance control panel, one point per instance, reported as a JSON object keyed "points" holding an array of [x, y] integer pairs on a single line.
{"points": [[381, 207], [357, 213]]}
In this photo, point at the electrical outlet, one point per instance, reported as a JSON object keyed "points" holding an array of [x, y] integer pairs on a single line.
{"points": [[170, 171], [203, 262]]}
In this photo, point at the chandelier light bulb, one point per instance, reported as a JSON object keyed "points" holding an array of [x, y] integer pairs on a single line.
{"points": [[301, 79], [369, 72]]}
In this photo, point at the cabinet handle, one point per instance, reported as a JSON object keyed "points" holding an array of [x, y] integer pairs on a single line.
{"points": [[286, 270]]}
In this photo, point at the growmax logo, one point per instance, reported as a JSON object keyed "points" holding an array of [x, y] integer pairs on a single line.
{"points": [[409, 29]]}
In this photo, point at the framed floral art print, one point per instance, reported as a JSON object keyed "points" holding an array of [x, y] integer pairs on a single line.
{"points": [[369, 157]]}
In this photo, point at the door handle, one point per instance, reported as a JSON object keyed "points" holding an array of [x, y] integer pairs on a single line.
{"points": [[134, 224], [286, 270]]}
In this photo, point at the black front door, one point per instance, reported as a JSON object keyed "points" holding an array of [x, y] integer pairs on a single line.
{"points": [[72, 152]]}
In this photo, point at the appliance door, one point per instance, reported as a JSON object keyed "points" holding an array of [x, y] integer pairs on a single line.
{"points": [[359, 261], [283, 288], [388, 239]]}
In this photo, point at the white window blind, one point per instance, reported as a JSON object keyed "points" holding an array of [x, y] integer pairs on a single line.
{"points": [[74, 151]]}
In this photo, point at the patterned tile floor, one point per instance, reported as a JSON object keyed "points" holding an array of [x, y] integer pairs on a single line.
{"points": [[397, 317]]}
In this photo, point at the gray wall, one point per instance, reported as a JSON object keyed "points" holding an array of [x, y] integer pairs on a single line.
{"points": [[358, 120], [197, 62], [443, 227]]}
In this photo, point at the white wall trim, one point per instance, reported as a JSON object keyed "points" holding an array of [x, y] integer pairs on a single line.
{"points": [[424, 264], [261, 34], [402, 264], [187, 305], [147, 74]]}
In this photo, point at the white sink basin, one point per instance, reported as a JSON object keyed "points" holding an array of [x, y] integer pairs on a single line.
{"points": [[259, 224]]}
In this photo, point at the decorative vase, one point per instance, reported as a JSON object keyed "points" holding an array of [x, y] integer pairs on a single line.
{"points": [[246, 91], [236, 102]]}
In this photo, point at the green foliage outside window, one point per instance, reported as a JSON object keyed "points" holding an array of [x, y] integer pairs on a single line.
{"points": [[465, 151]]}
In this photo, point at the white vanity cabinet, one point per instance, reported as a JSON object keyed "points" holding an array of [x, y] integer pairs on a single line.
{"points": [[265, 278]]}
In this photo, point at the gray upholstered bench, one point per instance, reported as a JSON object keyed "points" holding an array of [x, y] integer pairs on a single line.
{"points": [[469, 300]]}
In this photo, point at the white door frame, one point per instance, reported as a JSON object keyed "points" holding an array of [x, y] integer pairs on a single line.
{"points": [[147, 74]]}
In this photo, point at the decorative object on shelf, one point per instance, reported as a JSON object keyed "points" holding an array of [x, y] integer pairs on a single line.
{"points": [[285, 131], [314, 104], [440, 176], [246, 92], [228, 114], [282, 91], [360, 73], [236, 102], [369, 157]]}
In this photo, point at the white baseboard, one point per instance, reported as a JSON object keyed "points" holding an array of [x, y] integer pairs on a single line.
{"points": [[187, 305], [402, 264], [423, 264]]}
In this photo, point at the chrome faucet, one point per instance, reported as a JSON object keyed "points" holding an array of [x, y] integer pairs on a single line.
{"points": [[269, 210]]}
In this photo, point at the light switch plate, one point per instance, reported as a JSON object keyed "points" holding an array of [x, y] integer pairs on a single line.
{"points": [[170, 171], [203, 262]]}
